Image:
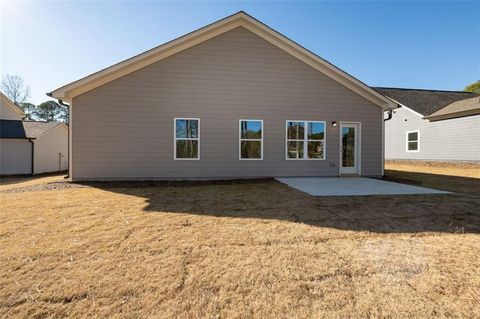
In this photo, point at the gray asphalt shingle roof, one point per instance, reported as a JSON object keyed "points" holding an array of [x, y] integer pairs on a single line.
{"points": [[463, 107], [424, 102], [24, 129]]}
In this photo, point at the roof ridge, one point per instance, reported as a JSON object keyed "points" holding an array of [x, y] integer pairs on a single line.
{"points": [[428, 90]]}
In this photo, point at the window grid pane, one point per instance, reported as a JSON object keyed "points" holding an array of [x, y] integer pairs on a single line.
{"points": [[413, 146], [251, 139], [187, 138], [186, 128], [296, 139], [413, 141], [187, 149], [251, 149], [295, 149], [315, 142], [413, 136], [315, 149], [295, 130], [316, 131], [311, 141], [251, 130]]}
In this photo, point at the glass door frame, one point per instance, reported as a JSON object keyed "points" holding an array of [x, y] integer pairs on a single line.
{"points": [[355, 170]]}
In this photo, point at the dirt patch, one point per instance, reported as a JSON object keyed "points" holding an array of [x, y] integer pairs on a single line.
{"points": [[44, 185], [54, 186], [24, 181]]}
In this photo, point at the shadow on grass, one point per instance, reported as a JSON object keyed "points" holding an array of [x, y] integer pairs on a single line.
{"points": [[268, 199]]}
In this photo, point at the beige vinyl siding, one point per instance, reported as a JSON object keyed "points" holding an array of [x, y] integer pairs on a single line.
{"points": [[124, 129], [15, 156], [51, 151], [8, 113]]}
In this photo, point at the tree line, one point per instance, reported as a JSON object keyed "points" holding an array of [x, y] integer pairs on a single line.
{"points": [[15, 89]]}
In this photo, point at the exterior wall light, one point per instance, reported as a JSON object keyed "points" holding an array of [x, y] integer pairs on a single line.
{"points": [[334, 124]]}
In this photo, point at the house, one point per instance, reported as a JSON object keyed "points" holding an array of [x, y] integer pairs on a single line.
{"points": [[30, 147], [433, 125], [234, 99]]}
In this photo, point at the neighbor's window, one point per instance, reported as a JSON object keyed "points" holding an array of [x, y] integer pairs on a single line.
{"points": [[251, 139], [187, 138], [413, 141], [306, 140]]}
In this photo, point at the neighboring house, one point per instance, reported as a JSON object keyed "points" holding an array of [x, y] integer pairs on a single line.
{"points": [[234, 99], [30, 147], [433, 125]]}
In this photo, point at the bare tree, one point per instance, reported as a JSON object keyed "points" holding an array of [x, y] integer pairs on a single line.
{"points": [[15, 88]]}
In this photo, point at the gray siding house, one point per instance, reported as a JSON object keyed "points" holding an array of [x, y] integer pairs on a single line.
{"points": [[234, 99], [433, 125]]}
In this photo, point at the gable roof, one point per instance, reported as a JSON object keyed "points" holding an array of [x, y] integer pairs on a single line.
{"points": [[25, 129], [425, 102], [460, 108], [12, 105], [239, 19]]}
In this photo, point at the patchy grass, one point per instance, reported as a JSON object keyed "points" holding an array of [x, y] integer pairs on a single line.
{"points": [[236, 250]]}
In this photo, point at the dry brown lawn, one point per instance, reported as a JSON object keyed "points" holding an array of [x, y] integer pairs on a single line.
{"points": [[458, 178], [471, 170], [236, 250]]}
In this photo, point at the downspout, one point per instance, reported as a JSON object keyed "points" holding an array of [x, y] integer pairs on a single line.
{"points": [[33, 155], [68, 134], [390, 113]]}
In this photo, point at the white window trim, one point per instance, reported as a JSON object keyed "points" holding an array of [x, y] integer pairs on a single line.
{"points": [[305, 141], [240, 139], [417, 140], [175, 139]]}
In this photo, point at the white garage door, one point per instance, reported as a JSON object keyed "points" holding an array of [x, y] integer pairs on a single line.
{"points": [[15, 156]]}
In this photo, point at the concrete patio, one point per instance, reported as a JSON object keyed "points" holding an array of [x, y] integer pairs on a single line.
{"points": [[354, 186]]}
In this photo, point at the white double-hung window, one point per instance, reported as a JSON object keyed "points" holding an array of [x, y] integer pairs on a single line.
{"points": [[187, 139], [251, 140], [305, 140], [413, 141]]}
